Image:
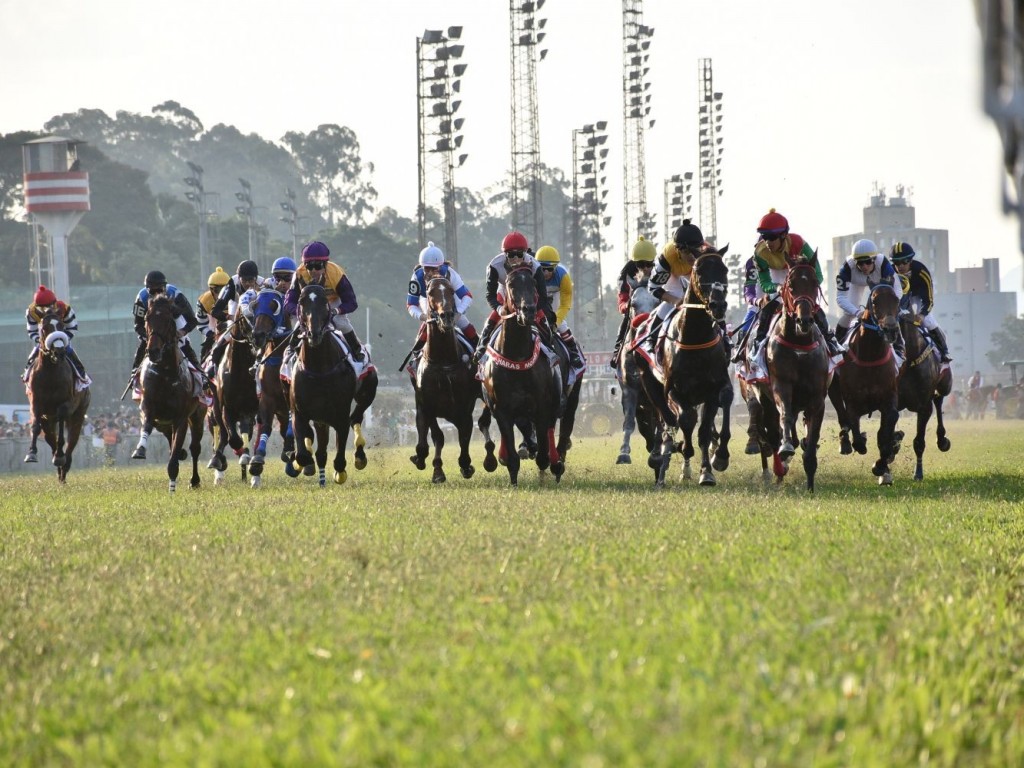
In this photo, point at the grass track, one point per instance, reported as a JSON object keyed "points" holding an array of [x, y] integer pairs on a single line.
{"points": [[596, 622]]}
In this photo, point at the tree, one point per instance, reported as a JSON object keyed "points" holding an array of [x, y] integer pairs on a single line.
{"points": [[1007, 342]]}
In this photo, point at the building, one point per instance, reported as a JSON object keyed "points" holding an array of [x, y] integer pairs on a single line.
{"points": [[970, 306]]}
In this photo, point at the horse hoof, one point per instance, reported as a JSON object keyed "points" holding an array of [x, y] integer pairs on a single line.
{"points": [[255, 469], [218, 478], [524, 451], [786, 451], [255, 482], [720, 462], [32, 458], [340, 477], [360, 462], [291, 471], [753, 447], [779, 467], [139, 453], [944, 445], [918, 475], [845, 449], [623, 459], [879, 469], [309, 471], [418, 462], [885, 479], [244, 459], [490, 463], [468, 472], [558, 469], [438, 478]]}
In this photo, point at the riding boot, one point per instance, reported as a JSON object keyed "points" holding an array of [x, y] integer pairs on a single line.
{"points": [[834, 350], [899, 348], [207, 345], [470, 333], [841, 331], [354, 347], [139, 354], [190, 355], [726, 339], [575, 357], [215, 357], [31, 359], [623, 327], [76, 361], [485, 337], [939, 337], [754, 368]]}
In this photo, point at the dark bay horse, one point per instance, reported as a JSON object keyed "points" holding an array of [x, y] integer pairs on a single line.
{"points": [[58, 411], [444, 384], [923, 385], [324, 389], [234, 397], [521, 386], [637, 410], [268, 316], [867, 381], [696, 372], [169, 402], [798, 365]]}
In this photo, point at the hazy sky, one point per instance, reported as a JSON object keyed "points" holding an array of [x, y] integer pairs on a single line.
{"points": [[821, 100]]}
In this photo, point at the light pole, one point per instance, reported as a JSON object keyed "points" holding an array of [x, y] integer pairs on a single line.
{"points": [[246, 209], [588, 207], [197, 196], [291, 219], [678, 194]]}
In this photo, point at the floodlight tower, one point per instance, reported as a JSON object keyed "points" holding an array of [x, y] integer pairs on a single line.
{"points": [[438, 131], [636, 108], [525, 36], [710, 149], [56, 197], [678, 194], [588, 207]]}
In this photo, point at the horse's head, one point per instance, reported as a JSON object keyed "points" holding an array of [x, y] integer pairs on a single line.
{"points": [[884, 311], [521, 295], [314, 313], [268, 314], [53, 341], [710, 281], [441, 303], [161, 327], [800, 293]]}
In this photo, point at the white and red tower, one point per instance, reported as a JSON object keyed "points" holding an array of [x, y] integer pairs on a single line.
{"points": [[56, 197]]}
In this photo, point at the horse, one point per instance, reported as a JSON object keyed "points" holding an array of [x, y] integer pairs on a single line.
{"points": [[323, 390], [58, 410], [235, 403], [523, 387], [798, 364], [923, 384], [636, 406], [695, 362], [273, 391], [867, 381], [444, 385], [169, 401]]}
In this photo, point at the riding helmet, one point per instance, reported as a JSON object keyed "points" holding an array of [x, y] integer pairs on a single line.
{"points": [[901, 253], [155, 279], [514, 241], [864, 250], [431, 256], [248, 269], [284, 264], [688, 235], [218, 278], [44, 297], [548, 256], [315, 251], [773, 223], [644, 250]]}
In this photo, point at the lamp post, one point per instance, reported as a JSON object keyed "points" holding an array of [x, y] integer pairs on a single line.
{"points": [[588, 207], [291, 218], [196, 195], [246, 209], [710, 150], [678, 194]]}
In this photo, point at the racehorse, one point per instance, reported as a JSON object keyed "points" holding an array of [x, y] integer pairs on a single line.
{"points": [[444, 384], [524, 388], [637, 410], [268, 315], [797, 383], [58, 411], [169, 400], [923, 385], [695, 362], [235, 402], [324, 388], [867, 381]]}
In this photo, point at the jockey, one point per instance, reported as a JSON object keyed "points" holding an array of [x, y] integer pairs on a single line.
{"points": [[559, 288], [671, 274], [246, 278], [317, 269], [636, 270], [431, 265], [45, 301], [155, 284], [916, 280], [281, 275], [207, 323], [775, 252], [861, 272], [515, 253]]}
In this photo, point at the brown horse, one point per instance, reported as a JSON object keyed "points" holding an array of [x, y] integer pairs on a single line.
{"points": [[169, 402], [270, 336], [58, 411], [696, 373], [637, 410], [444, 384], [521, 386], [235, 403], [797, 376], [923, 384], [867, 381]]}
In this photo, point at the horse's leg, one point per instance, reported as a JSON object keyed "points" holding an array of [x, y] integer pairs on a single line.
{"points": [[419, 458], [303, 441], [465, 428], [720, 461], [708, 412], [940, 427], [177, 443], [484, 425], [59, 458], [753, 446], [813, 418], [835, 396], [687, 421], [629, 404], [664, 458], [359, 443], [437, 436], [884, 442], [32, 456], [507, 452], [340, 445], [144, 433], [195, 445], [924, 414], [323, 438]]}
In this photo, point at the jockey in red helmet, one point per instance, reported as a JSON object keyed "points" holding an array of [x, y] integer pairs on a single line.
{"points": [[43, 301]]}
